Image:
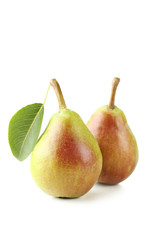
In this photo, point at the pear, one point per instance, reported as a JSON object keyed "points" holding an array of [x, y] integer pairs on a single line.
{"points": [[66, 161], [116, 140]]}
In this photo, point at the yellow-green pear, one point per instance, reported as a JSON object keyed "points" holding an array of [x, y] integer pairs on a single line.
{"points": [[66, 161]]}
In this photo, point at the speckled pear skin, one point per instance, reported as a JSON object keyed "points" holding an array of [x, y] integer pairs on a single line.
{"points": [[117, 143], [66, 161]]}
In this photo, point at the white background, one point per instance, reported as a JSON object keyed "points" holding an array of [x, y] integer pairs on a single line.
{"points": [[84, 44]]}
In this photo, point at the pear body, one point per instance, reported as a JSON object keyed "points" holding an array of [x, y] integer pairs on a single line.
{"points": [[117, 143], [66, 161]]}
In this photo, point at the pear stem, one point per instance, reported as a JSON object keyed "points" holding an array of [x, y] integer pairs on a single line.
{"points": [[58, 92], [115, 83]]}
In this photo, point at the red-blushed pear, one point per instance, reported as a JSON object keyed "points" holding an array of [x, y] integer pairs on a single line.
{"points": [[66, 161], [117, 143]]}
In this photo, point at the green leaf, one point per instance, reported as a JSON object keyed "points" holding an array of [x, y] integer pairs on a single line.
{"points": [[24, 129]]}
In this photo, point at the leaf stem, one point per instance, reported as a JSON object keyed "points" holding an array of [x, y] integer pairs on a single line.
{"points": [[58, 92], [115, 83], [46, 94]]}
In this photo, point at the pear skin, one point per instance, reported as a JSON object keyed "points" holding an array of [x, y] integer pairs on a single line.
{"points": [[116, 140], [66, 161]]}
